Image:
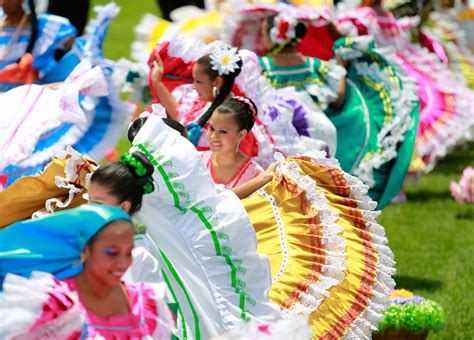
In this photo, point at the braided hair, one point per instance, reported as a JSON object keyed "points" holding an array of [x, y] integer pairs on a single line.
{"points": [[300, 32], [34, 26], [128, 179], [205, 63], [243, 110]]}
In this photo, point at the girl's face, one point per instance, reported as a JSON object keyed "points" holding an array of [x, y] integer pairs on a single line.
{"points": [[224, 134], [101, 195], [110, 254], [203, 84]]}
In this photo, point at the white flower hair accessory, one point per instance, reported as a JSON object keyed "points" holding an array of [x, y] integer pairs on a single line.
{"points": [[283, 29], [224, 59]]}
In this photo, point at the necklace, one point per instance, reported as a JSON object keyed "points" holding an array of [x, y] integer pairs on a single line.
{"points": [[5, 49]]}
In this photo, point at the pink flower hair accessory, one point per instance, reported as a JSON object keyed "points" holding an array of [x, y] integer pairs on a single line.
{"points": [[247, 102]]}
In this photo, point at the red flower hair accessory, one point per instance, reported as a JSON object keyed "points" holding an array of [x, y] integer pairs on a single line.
{"points": [[283, 30]]}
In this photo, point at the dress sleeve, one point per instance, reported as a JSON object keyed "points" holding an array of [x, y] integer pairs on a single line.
{"points": [[53, 32], [332, 75], [38, 308], [157, 311]]}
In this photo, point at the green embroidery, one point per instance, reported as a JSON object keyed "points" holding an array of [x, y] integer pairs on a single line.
{"points": [[188, 299], [223, 236], [223, 251]]}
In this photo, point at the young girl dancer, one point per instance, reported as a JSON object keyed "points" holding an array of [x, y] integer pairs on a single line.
{"points": [[90, 255]]}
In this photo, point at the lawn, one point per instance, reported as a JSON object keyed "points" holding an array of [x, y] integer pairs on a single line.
{"points": [[431, 235]]}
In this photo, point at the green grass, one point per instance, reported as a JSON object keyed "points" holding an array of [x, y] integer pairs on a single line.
{"points": [[121, 33], [431, 235], [433, 241]]}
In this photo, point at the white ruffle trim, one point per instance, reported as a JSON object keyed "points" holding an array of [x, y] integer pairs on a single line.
{"points": [[295, 328], [333, 270], [252, 83], [74, 162], [442, 140], [403, 102], [21, 305], [455, 130], [187, 194], [140, 52], [121, 112], [83, 79], [385, 267]]}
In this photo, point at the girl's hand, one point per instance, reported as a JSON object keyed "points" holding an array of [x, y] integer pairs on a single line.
{"points": [[157, 69], [268, 174]]}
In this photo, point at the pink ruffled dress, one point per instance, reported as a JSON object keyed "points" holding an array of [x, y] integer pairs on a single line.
{"points": [[250, 169], [148, 316], [41, 308]]}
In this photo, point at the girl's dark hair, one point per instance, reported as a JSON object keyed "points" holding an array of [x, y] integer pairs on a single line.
{"points": [[34, 27], [205, 62], [244, 112], [122, 181], [175, 125], [140, 121], [300, 32]]}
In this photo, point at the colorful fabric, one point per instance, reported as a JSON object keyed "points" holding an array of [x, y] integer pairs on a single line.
{"points": [[53, 243], [445, 115], [443, 28], [327, 253], [33, 111], [47, 308], [243, 23], [149, 315], [249, 170], [205, 240], [381, 101], [314, 81], [268, 135], [376, 123], [61, 185], [53, 31], [92, 125]]}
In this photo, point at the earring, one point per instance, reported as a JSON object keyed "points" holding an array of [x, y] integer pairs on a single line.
{"points": [[215, 91], [238, 147], [79, 261]]}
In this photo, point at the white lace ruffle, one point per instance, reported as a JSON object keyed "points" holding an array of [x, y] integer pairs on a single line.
{"points": [[403, 100], [64, 107], [21, 305], [334, 244], [211, 228], [385, 267], [74, 162]]}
